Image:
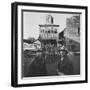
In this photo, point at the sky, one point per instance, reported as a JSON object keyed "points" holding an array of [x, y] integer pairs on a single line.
{"points": [[31, 21]]}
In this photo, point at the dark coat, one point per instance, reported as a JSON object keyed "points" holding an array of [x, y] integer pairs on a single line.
{"points": [[65, 66]]}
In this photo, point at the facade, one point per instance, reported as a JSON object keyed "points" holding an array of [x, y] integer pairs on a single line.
{"points": [[49, 31], [72, 33]]}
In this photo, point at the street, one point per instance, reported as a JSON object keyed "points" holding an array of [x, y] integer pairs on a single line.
{"points": [[51, 65]]}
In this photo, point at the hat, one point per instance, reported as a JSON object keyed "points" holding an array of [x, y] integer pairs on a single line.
{"points": [[64, 49]]}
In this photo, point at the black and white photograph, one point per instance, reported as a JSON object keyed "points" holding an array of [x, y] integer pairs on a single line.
{"points": [[50, 44]]}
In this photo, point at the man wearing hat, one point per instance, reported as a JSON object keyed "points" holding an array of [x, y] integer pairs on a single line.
{"points": [[65, 66]]}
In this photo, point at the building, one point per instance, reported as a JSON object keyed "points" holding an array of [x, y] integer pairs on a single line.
{"points": [[32, 46], [61, 38], [49, 31], [72, 33]]}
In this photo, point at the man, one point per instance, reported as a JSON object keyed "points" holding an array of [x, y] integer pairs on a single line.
{"points": [[65, 66]]}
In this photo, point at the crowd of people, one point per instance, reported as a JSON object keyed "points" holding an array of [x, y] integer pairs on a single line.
{"points": [[50, 54], [53, 48]]}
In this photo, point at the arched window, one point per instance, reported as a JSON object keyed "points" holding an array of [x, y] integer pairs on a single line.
{"points": [[52, 31], [48, 31], [55, 31]]}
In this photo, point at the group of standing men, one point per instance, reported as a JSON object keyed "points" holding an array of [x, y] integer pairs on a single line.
{"points": [[50, 54]]}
